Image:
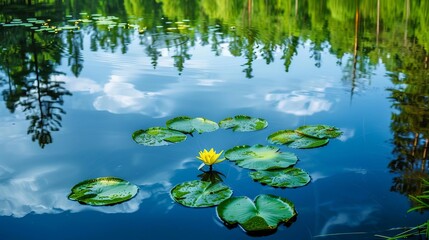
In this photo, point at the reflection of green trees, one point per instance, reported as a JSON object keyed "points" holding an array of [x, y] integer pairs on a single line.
{"points": [[29, 61], [410, 125], [359, 33]]}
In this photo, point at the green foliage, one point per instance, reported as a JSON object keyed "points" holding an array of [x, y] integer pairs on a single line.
{"points": [[103, 191], [290, 177], [422, 204], [189, 125], [305, 136], [422, 200], [158, 136], [319, 131], [263, 214], [242, 123], [200, 193], [293, 139], [259, 157]]}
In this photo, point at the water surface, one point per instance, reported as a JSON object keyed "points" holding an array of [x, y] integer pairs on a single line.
{"points": [[72, 99]]}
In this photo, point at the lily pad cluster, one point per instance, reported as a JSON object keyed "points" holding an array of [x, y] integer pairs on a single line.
{"points": [[268, 165], [176, 129], [71, 24], [38, 25], [273, 167], [309, 136], [266, 212]]}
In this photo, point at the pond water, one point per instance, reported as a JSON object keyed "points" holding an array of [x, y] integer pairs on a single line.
{"points": [[72, 98]]}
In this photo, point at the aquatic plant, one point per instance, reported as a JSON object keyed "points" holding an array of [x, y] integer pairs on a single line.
{"points": [[263, 214], [422, 204], [310, 136], [199, 193], [103, 191]]}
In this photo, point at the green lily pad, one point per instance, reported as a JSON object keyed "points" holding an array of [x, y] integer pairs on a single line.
{"points": [[294, 139], [103, 191], [158, 136], [284, 137], [289, 177], [190, 125], [200, 193], [319, 131], [308, 142], [242, 123], [259, 157], [264, 214]]}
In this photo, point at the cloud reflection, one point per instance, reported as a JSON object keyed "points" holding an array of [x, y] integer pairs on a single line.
{"points": [[44, 190], [122, 97], [38, 191], [352, 216], [299, 103], [80, 84]]}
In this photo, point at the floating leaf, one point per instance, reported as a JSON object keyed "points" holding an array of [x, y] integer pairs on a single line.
{"points": [[158, 136], [319, 131], [308, 142], [242, 123], [289, 177], [103, 191], [200, 193], [294, 139], [260, 157], [284, 137], [190, 125], [264, 214]]}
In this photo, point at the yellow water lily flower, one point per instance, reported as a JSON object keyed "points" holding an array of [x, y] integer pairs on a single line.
{"points": [[210, 157]]}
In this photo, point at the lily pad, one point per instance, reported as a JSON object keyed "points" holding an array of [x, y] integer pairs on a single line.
{"points": [[264, 214], [259, 157], [200, 193], [190, 125], [242, 123], [284, 137], [289, 177], [294, 139], [308, 142], [158, 136], [103, 191], [319, 131]]}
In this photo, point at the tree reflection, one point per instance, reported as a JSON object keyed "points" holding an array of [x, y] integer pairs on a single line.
{"points": [[358, 33], [29, 60], [410, 126]]}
